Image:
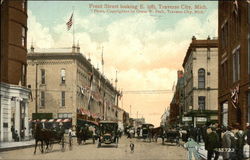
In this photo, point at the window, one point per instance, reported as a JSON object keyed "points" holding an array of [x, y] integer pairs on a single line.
{"points": [[43, 76], [201, 78], [24, 4], [248, 97], [63, 74], [23, 75], [42, 102], [64, 115], [225, 114], [23, 37], [224, 35], [236, 64], [63, 98], [202, 102]]}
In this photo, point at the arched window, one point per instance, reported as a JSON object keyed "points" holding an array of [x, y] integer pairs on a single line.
{"points": [[201, 78]]}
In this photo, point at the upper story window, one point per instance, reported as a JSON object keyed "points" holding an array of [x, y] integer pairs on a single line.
{"points": [[23, 37], [42, 76], [201, 78], [42, 99], [224, 35], [236, 64], [63, 76], [23, 75], [24, 5], [63, 99], [202, 102]]}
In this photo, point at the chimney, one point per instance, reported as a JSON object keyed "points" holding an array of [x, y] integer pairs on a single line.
{"points": [[193, 38]]}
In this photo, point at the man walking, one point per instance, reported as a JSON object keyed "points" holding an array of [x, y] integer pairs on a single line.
{"points": [[212, 144]]}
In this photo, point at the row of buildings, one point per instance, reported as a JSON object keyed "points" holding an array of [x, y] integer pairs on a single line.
{"points": [[51, 86], [214, 86]]}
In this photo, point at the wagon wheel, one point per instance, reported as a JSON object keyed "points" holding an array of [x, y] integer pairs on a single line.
{"points": [[62, 144]]}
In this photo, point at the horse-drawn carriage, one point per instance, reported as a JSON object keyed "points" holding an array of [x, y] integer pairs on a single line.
{"points": [[85, 132], [108, 133], [147, 131], [48, 137]]}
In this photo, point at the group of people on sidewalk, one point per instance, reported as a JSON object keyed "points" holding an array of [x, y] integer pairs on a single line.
{"points": [[15, 135], [231, 142]]}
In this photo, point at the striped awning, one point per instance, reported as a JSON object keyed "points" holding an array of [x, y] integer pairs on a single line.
{"points": [[43, 120], [66, 120], [59, 120], [51, 120], [36, 120]]}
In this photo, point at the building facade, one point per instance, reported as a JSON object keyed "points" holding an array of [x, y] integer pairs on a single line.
{"points": [[201, 81], [68, 87], [13, 90], [177, 103], [234, 62]]}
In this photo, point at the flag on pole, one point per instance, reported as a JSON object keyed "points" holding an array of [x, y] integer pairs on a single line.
{"points": [[70, 22]]}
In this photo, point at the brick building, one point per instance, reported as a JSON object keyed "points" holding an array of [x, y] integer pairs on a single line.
{"points": [[201, 81], [13, 90], [234, 62], [69, 88]]}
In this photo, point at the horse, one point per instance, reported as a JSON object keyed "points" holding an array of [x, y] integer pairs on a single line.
{"points": [[39, 136]]}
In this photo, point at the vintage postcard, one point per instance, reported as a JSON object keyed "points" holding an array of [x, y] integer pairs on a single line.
{"points": [[125, 80]]}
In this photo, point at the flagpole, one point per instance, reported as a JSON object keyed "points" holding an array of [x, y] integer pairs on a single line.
{"points": [[73, 27]]}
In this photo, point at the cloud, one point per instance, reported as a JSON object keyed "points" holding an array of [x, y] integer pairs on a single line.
{"points": [[39, 34]]}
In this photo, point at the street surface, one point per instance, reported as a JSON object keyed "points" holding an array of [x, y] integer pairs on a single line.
{"points": [[143, 150]]}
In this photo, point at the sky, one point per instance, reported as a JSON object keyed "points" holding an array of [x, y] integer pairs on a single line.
{"points": [[145, 48]]}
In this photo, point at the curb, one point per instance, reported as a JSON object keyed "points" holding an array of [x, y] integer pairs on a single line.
{"points": [[16, 147]]}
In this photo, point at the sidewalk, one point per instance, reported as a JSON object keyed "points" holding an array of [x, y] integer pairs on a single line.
{"points": [[6, 146]]}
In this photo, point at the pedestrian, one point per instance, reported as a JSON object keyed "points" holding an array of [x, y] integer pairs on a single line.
{"points": [[239, 144], [22, 134], [16, 136], [247, 139], [212, 144], [234, 149], [132, 147], [192, 148], [199, 134], [226, 142]]}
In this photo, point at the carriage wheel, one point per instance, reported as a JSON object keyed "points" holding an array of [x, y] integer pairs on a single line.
{"points": [[62, 145]]}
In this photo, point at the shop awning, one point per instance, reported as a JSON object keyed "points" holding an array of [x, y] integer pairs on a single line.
{"points": [[51, 120], [43, 120], [59, 120], [66, 120]]}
